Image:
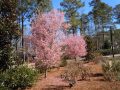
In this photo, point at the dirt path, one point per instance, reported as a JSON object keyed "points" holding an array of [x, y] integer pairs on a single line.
{"points": [[96, 82], [52, 82]]}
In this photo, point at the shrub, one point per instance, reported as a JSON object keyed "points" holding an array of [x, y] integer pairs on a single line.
{"points": [[76, 71], [97, 57], [19, 77], [111, 70], [2, 80], [89, 56], [90, 47], [84, 71], [106, 44], [93, 55], [109, 51]]}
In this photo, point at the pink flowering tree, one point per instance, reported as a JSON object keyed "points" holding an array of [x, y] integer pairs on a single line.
{"points": [[45, 30], [75, 46]]}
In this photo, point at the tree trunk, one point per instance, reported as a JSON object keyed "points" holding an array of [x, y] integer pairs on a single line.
{"points": [[16, 49], [74, 31], [81, 28], [112, 43], [23, 38], [22, 31], [45, 73], [97, 44], [75, 59], [103, 35]]}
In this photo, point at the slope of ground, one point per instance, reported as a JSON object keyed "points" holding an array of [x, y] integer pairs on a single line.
{"points": [[97, 82]]}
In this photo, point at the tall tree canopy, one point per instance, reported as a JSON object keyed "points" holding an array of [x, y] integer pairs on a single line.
{"points": [[71, 9], [26, 10], [116, 12], [101, 13]]}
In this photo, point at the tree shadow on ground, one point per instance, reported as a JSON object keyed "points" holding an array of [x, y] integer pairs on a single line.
{"points": [[55, 87], [97, 75]]}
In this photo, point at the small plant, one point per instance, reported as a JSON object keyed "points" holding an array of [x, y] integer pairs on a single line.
{"points": [[111, 70], [84, 72], [70, 74], [97, 57], [76, 71]]}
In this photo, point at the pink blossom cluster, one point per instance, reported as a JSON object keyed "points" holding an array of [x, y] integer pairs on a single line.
{"points": [[48, 32], [44, 29], [75, 46]]}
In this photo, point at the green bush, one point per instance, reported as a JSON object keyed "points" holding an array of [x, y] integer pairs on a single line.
{"points": [[2, 80], [93, 55], [111, 70], [109, 51], [89, 56], [106, 44], [90, 48], [19, 77]]}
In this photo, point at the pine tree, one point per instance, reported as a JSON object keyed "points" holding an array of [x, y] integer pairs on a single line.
{"points": [[71, 9], [101, 13]]}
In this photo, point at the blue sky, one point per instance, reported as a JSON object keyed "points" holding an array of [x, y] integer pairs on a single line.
{"points": [[87, 8]]}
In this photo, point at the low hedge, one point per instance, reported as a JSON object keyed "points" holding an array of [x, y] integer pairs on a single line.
{"points": [[109, 51], [19, 77]]}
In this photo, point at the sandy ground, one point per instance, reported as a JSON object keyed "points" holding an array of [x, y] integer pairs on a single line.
{"points": [[97, 82]]}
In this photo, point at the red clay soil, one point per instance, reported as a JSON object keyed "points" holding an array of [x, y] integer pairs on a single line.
{"points": [[52, 82], [96, 82]]}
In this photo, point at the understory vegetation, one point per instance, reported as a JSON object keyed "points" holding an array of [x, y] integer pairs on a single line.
{"points": [[36, 38], [17, 78], [111, 70]]}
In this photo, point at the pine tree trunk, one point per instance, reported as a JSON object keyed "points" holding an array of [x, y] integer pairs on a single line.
{"points": [[103, 34], [23, 38], [97, 44]]}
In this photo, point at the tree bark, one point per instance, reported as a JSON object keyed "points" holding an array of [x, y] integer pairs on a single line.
{"points": [[23, 38], [97, 44], [45, 73]]}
